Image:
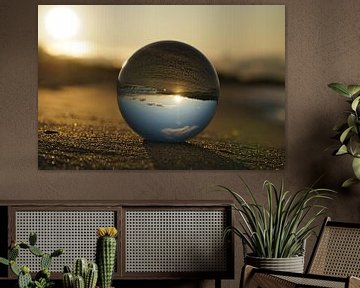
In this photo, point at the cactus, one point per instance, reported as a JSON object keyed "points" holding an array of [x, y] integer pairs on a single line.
{"points": [[91, 276], [36, 251], [106, 254], [80, 268], [45, 261], [79, 282], [32, 238], [24, 280], [68, 280], [13, 253], [42, 278], [90, 272]]}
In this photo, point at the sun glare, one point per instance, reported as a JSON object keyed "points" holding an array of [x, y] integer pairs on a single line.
{"points": [[61, 23], [178, 98]]}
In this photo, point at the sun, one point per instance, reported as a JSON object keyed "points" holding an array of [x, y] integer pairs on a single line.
{"points": [[61, 23], [178, 98]]}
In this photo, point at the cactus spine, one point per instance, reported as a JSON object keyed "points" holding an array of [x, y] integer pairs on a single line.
{"points": [[106, 254]]}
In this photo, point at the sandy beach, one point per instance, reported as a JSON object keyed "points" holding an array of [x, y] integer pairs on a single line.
{"points": [[80, 127]]}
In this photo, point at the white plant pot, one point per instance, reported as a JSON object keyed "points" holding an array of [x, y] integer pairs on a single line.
{"points": [[291, 264]]}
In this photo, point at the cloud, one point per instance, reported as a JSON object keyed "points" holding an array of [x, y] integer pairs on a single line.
{"points": [[177, 132]]}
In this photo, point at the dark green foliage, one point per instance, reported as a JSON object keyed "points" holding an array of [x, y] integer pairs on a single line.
{"points": [[32, 239], [57, 252], [24, 245], [13, 253], [349, 131], [279, 229], [44, 273], [105, 258]]}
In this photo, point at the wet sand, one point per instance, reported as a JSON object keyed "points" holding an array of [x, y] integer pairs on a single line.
{"points": [[80, 127]]}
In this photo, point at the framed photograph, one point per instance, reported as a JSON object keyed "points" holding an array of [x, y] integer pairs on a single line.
{"points": [[161, 87]]}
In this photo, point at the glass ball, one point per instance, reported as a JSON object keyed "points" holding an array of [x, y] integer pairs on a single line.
{"points": [[168, 91]]}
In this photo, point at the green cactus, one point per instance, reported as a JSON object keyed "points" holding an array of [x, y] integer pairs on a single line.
{"points": [[42, 278], [91, 276], [32, 238], [80, 268], [68, 280], [106, 254], [57, 252], [67, 269], [36, 251], [45, 261], [79, 282], [13, 253], [24, 280]]}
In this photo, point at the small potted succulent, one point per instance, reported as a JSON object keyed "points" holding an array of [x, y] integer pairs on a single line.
{"points": [[84, 274], [274, 234], [348, 132], [42, 278]]}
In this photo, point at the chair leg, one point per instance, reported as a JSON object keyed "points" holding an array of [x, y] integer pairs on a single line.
{"points": [[217, 283], [246, 273]]}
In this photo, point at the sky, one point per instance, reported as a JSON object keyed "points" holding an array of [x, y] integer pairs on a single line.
{"points": [[115, 32]]}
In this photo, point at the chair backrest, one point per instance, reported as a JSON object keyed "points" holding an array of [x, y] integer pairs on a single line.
{"points": [[337, 251]]}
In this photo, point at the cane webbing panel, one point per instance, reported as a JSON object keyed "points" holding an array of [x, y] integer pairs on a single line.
{"points": [[175, 241], [75, 231], [305, 282], [338, 252]]}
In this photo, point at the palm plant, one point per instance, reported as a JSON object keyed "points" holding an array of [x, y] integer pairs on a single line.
{"points": [[280, 229]]}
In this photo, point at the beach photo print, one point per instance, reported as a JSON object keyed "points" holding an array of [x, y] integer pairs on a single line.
{"points": [[161, 87]]}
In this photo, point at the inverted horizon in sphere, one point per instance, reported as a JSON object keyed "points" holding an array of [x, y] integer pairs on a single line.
{"points": [[168, 91]]}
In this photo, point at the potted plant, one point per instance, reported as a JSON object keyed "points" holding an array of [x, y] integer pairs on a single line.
{"points": [[348, 133], [276, 233], [42, 278]]}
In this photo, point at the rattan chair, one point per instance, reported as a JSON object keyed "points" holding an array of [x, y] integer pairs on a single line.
{"points": [[335, 262]]}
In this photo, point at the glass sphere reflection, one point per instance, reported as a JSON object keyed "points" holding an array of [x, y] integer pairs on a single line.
{"points": [[168, 91]]}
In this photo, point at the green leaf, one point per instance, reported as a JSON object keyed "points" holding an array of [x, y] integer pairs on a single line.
{"points": [[351, 120], [353, 89], [355, 103], [342, 150], [4, 261], [340, 88], [349, 182], [345, 134], [356, 167]]}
